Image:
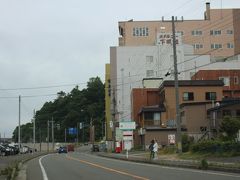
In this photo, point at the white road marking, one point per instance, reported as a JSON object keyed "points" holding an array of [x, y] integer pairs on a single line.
{"points": [[166, 167], [42, 168]]}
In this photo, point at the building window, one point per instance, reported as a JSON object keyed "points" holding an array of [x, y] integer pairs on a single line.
{"points": [[150, 73], [146, 31], [216, 46], [226, 80], [180, 32], [211, 95], [235, 80], [152, 118], [229, 31], [196, 33], [156, 119], [140, 31], [215, 32], [230, 45], [197, 46], [188, 96], [149, 59]]}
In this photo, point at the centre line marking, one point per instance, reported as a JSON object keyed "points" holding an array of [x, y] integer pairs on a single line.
{"points": [[106, 168]]}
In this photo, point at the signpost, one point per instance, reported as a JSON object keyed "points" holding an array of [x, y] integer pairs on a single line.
{"points": [[127, 128]]}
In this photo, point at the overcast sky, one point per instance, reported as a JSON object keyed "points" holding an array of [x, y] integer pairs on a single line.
{"points": [[59, 42]]}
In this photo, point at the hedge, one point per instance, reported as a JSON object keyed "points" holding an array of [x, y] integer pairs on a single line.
{"points": [[213, 146]]}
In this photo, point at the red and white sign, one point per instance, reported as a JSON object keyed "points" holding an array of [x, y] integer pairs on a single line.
{"points": [[171, 139], [127, 133]]}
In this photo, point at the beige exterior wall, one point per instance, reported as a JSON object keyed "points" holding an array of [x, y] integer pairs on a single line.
{"points": [[223, 20], [236, 28], [195, 116], [107, 102], [199, 96]]}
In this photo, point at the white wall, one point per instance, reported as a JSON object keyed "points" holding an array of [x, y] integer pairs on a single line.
{"points": [[132, 66]]}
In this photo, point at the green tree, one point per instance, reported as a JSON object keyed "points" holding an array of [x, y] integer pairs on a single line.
{"points": [[230, 126], [68, 110]]}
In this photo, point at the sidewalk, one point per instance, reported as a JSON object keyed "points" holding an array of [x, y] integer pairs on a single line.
{"points": [[218, 164], [11, 162]]}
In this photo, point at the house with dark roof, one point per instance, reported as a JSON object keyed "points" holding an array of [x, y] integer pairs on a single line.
{"points": [[158, 121], [226, 107]]}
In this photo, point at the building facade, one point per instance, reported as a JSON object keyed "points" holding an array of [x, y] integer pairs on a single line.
{"points": [[230, 77], [131, 65], [217, 34], [190, 91], [108, 115]]}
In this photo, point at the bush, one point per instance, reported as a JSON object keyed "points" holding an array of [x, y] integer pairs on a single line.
{"points": [[204, 164], [186, 142], [215, 146], [169, 149]]}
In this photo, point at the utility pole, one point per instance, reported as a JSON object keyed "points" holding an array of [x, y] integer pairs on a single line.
{"points": [[40, 139], [52, 134], [178, 123], [83, 132], [34, 138], [77, 134], [65, 135], [122, 77], [19, 123], [114, 120], [48, 135]]}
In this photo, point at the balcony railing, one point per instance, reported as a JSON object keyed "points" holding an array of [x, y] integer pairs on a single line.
{"points": [[151, 123]]}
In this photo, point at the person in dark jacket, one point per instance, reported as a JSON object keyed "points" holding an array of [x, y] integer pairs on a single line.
{"points": [[151, 149]]}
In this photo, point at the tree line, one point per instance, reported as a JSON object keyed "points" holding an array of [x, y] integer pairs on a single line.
{"points": [[68, 110]]}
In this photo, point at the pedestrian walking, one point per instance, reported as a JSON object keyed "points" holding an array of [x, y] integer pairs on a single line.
{"points": [[155, 149], [151, 150]]}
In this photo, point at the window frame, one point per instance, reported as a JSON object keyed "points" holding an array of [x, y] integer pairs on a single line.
{"points": [[209, 96], [189, 97], [148, 73]]}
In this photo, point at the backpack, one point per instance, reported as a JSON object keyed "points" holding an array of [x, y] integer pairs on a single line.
{"points": [[151, 147]]}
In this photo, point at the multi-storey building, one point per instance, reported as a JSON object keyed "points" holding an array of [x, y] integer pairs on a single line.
{"points": [[230, 77], [218, 34], [145, 51], [130, 65]]}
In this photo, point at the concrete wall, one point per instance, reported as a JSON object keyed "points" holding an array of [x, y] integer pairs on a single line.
{"points": [[220, 19], [129, 66]]}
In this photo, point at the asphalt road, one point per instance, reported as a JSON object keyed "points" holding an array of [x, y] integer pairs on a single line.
{"points": [[75, 166]]}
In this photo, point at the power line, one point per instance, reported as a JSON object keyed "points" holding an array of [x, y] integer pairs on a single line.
{"points": [[27, 96], [40, 87], [207, 64]]}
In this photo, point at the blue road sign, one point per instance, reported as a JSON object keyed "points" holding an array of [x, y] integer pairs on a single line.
{"points": [[72, 131]]}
